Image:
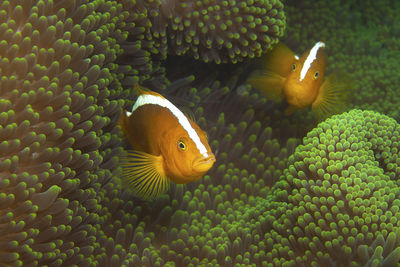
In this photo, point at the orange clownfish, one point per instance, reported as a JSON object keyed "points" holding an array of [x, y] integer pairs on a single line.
{"points": [[299, 80], [167, 146]]}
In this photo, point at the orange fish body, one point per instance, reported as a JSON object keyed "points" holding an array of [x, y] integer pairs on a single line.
{"points": [[299, 80], [167, 146], [152, 121], [301, 93]]}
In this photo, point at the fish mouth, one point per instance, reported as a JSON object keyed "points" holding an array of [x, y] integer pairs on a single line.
{"points": [[204, 162]]}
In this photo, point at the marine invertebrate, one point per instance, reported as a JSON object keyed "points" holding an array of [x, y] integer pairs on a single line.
{"points": [[60, 88], [338, 196], [203, 30], [60, 201], [164, 232], [144, 48], [223, 31], [58, 96]]}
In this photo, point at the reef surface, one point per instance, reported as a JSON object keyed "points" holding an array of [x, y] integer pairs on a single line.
{"points": [[285, 191]]}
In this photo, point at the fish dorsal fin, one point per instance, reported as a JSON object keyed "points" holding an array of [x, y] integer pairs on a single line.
{"points": [[141, 91], [188, 113], [270, 84], [144, 174], [279, 60], [332, 96]]}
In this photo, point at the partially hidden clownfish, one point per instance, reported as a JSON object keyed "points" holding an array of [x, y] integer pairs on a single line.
{"points": [[167, 145], [300, 81]]}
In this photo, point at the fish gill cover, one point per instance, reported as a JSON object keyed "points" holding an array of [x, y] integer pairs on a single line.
{"points": [[67, 70]]}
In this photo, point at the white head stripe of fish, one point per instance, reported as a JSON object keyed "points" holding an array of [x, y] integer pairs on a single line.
{"points": [[310, 59], [145, 99]]}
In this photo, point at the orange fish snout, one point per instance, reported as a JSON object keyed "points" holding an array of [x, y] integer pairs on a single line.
{"points": [[298, 93], [204, 162]]}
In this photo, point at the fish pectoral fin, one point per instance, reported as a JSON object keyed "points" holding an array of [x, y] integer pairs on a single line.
{"points": [[144, 174], [270, 84], [332, 96]]}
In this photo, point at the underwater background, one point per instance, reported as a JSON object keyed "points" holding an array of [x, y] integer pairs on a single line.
{"points": [[284, 191]]}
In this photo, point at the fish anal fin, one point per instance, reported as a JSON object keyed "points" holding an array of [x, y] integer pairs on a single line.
{"points": [[279, 60], [269, 84], [144, 174], [290, 110], [332, 97], [188, 113]]}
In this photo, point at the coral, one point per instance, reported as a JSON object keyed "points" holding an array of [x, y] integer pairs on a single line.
{"points": [[223, 31], [339, 197], [144, 47], [58, 101], [60, 86], [335, 203], [205, 222], [63, 69], [203, 30], [66, 68]]}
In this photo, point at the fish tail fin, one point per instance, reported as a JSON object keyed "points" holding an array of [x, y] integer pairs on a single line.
{"points": [[270, 84], [276, 65], [332, 96], [144, 174], [279, 60]]}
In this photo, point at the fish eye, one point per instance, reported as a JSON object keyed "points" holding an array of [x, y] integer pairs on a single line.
{"points": [[316, 74], [181, 145], [294, 67]]}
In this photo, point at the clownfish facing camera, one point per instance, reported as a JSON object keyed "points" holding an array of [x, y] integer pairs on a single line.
{"points": [[167, 146], [299, 80]]}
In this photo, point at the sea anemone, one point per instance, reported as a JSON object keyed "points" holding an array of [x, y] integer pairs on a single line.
{"points": [[58, 100], [338, 199], [223, 31]]}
